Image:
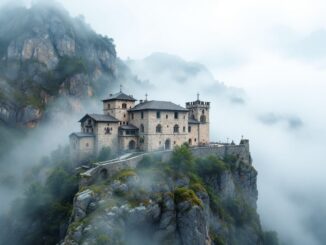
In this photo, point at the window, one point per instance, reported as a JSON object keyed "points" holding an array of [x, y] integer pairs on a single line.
{"points": [[142, 129], [87, 144], [142, 115], [107, 130], [189, 129], [132, 115], [159, 128], [176, 129], [176, 115], [184, 129], [174, 142], [109, 106], [124, 106], [202, 118], [158, 114], [203, 112], [166, 116], [124, 115]]}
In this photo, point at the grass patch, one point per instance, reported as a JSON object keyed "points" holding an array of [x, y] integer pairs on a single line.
{"points": [[184, 194]]}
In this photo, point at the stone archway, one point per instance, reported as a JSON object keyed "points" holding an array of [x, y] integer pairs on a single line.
{"points": [[132, 145], [167, 145], [104, 174]]}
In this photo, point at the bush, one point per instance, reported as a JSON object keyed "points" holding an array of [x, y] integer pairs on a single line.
{"points": [[182, 159], [210, 166], [184, 194]]}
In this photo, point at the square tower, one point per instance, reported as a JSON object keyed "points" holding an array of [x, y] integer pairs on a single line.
{"points": [[199, 112]]}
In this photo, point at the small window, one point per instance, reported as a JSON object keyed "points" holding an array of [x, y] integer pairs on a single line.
{"points": [[176, 115], [189, 129], [176, 128], [109, 106], [203, 112], [124, 106], [142, 129], [166, 116], [203, 119], [195, 140], [184, 129], [87, 144], [132, 115], [142, 115], [124, 115], [158, 114], [174, 142], [159, 128]]}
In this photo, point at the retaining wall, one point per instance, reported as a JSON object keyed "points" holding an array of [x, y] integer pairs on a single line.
{"points": [[110, 168]]}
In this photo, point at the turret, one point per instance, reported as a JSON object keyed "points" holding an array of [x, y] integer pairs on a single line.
{"points": [[199, 111]]}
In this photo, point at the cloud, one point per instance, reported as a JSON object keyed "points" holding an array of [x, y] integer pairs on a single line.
{"points": [[292, 122]]}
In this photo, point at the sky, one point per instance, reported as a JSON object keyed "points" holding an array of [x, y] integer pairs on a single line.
{"points": [[275, 51]]}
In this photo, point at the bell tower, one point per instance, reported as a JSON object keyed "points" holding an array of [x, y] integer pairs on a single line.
{"points": [[199, 111]]}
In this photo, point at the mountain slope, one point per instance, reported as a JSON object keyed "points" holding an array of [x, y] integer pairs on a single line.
{"points": [[45, 54]]}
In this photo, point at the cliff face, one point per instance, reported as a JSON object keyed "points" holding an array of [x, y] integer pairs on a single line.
{"points": [[186, 201], [45, 54]]}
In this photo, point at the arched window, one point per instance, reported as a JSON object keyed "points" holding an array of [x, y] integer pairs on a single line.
{"points": [[176, 128], [124, 106], [159, 128], [203, 112], [202, 118], [142, 129]]}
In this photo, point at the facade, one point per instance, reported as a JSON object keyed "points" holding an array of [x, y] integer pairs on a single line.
{"points": [[146, 126]]}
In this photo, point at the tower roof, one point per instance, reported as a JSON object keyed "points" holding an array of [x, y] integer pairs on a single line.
{"points": [[119, 96], [158, 105]]}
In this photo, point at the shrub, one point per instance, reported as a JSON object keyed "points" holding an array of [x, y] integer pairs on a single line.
{"points": [[210, 166], [182, 159], [184, 194]]}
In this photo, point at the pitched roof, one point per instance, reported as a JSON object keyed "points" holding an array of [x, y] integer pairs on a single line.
{"points": [[81, 134], [128, 127], [158, 105], [100, 118], [193, 121], [120, 96]]}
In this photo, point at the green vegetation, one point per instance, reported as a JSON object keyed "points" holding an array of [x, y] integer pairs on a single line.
{"points": [[104, 154], [46, 206], [185, 194]]}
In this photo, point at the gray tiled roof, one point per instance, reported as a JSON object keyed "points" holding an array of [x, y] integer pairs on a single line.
{"points": [[128, 127], [81, 134], [120, 96], [193, 121], [100, 118], [158, 105]]}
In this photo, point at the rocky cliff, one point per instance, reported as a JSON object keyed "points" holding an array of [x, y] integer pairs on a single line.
{"points": [[46, 54], [184, 201]]}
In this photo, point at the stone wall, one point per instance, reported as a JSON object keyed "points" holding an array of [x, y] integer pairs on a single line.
{"points": [[110, 168], [104, 139]]}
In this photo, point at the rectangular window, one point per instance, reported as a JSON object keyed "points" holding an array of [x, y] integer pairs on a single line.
{"points": [[142, 115], [132, 115], [176, 115], [184, 129], [158, 114], [189, 129]]}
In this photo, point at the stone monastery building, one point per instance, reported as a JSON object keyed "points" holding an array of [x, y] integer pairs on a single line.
{"points": [[146, 126]]}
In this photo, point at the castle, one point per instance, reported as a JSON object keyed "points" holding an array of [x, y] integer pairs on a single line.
{"points": [[147, 126]]}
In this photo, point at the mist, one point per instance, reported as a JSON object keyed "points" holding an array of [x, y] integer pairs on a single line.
{"points": [[259, 88]]}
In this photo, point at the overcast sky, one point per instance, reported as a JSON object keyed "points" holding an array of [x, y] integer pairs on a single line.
{"points": [[276, 51]]}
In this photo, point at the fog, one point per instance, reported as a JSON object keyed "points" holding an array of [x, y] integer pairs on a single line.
{"points": [[265, 49]]}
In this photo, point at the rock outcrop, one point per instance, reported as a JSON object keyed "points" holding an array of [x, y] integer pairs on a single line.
{"points": [[46, 54], [206, 204]]}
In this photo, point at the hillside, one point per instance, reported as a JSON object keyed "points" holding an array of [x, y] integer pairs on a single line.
{"points": [[186, 201], [46, 54]]}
